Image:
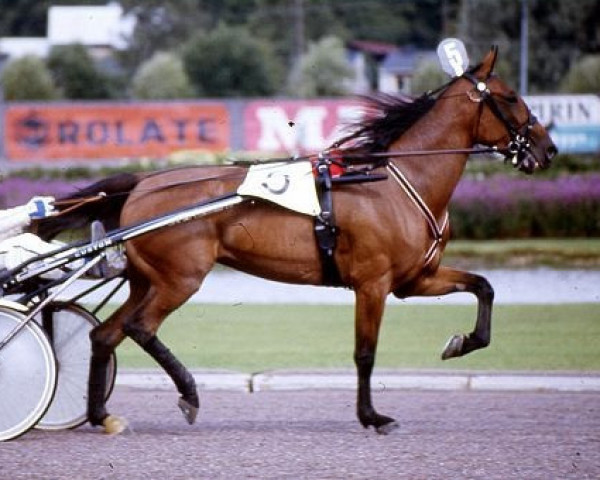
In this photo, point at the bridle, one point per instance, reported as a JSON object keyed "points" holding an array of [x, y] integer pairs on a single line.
{"points": [[519, 144]]}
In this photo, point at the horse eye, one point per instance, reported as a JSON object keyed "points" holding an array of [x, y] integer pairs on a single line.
{"points": [[512, 98]]}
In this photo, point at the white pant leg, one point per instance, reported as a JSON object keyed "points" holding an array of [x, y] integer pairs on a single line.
{"points": [[18, 249]]}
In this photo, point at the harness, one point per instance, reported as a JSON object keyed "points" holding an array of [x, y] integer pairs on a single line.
{"points": [[335, 166], [437, 230], [325, 230], [327, 171]]}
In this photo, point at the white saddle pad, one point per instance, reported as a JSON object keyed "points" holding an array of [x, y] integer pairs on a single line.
{"points": [[289, 184]]}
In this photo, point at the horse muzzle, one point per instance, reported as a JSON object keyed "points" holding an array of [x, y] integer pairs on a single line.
{"points": [[546, 157], [528, 161]]}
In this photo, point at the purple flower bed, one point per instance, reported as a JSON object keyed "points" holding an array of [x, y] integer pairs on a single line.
{"points": [[503, 206], [496, 207], [17, 191]]}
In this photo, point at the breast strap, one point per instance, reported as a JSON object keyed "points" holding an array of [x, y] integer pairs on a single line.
{"points": [[437, 230]]}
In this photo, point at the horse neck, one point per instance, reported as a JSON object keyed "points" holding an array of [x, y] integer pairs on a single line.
{"points": [[435, 177]]}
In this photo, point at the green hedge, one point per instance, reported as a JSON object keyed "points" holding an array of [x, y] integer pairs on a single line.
{"points": [[504, 206], [490, 202]]}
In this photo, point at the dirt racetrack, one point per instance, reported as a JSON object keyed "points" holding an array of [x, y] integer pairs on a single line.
{"points": [[314, 435]]}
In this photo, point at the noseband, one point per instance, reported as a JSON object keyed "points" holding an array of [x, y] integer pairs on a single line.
{"points": [[519, 144]]}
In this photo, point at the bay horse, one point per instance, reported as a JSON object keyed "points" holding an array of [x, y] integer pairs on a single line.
{"points": [[391, 234]]}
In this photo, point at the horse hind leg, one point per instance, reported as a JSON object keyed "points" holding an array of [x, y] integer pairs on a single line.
{"points": [[142, 329], [189, 402], [447, 280], [135, 319]]}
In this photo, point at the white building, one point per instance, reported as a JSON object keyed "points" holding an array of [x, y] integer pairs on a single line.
{"points": [[384, 67], [397, 70], [100, 28]]}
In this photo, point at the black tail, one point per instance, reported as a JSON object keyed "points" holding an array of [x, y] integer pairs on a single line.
{"points": [[111, 193]]}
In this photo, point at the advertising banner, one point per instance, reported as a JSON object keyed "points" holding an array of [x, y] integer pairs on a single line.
{"points": [[113, 130], [296, 126], [574, 120], [105, 130]]}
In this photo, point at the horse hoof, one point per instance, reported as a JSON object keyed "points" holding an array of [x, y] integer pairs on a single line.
{"points": [[114, 425], [387, 428], [190, 412], [453, 347]]}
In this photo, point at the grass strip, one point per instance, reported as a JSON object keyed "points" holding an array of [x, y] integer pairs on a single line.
{"points": [[554, 252], [253, 338]]}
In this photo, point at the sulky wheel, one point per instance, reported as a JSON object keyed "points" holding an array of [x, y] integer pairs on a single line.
{"points": [[69, 326], [28, 374]]}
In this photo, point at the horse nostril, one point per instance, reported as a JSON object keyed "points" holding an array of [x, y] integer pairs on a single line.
{"points": [[551, 151]]}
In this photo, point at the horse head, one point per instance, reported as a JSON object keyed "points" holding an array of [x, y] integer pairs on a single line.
{"points": [[505, 121]]}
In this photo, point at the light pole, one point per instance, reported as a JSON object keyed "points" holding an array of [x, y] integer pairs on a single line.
{"points": [[524, 64]]}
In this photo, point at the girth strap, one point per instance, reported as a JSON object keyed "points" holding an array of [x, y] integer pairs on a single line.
{"points": [[325, 228]]}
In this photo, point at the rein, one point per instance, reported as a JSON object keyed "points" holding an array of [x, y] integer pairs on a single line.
{"points": [[328, 155], [76, 203], [333, 153], [417, 153]]}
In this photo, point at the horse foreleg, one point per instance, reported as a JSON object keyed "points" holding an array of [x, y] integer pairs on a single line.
{"points": [[369, 311], [189, 402], [448, 280]]}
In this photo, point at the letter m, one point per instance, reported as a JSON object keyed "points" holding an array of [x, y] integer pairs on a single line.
{"points": [[278, 132]]}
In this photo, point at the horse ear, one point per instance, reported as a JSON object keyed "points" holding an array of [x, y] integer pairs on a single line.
{"points": [[487, 65]]}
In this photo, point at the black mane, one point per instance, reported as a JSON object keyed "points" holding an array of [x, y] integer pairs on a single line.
{"points": [[387, 117]]}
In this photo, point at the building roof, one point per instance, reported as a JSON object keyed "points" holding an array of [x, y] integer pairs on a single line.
{"points": [[403, 61], [372, 47]]}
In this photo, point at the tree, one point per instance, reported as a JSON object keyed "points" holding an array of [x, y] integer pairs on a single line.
{"points": [[163, 25], [28, 78], [230, 62], [584, 76], [289, 25], [161, 77], [558, 32], [417, 23], [76, 74], [322, 71], [428, 76]]}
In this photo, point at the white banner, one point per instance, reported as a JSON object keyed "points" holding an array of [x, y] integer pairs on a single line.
{"points": [[565, 109]]}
